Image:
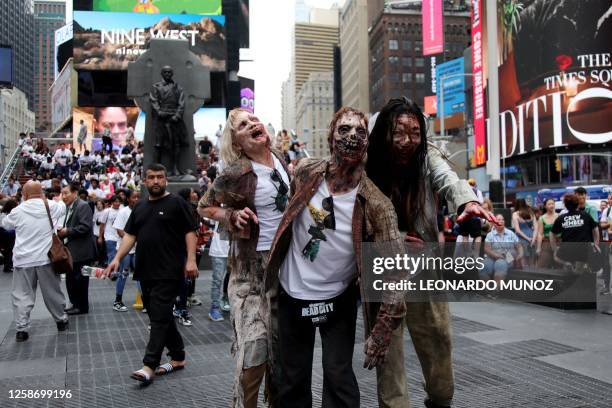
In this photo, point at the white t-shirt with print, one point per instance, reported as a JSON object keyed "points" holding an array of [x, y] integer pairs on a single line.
{"points": [[110, 232], [267, 213], [63, 157], [120, 221], [99, 217], [333, 267]]}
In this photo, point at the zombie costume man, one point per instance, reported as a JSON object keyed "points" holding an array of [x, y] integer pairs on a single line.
{"points": [[414, 174], [315, 271]]}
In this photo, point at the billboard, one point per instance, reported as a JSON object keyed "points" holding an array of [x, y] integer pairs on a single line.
{"points": [[206, 122], [430, 105], [211, 7], [118, 119], [63, 35], [433, 27], [450, 84], [61, 97], [109, 40], [555, 74], [480, 136], [247, 94], [6, 65]]}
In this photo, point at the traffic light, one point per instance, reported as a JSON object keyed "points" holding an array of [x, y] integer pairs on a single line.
{"points": [[558, 165]]}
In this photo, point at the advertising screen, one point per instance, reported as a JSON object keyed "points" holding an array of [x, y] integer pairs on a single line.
{"points": [[63, 47], [206, 122], [555, 72], [120, 120], [433, 27], [452, 81], [6, 65], [160, 6], [109, 41], [247, 94]]}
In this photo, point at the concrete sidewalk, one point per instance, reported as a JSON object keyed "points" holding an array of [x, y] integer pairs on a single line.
{"points": [[506, 355]]}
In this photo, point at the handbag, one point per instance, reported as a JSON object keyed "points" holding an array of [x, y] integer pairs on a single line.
{"points": [[61, 259]]}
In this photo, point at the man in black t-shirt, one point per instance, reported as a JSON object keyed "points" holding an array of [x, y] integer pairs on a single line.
{"points": [[164, 229], [573, 226], [205, 147]]}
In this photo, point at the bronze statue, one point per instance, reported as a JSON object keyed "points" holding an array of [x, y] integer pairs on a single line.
{"points": [[168, 105]]}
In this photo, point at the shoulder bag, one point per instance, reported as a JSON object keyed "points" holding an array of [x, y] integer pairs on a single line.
{"points": [[61, 259]]}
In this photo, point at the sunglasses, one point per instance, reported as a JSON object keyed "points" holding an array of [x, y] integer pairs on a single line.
{"points": [[280, 201], [329, 222]]}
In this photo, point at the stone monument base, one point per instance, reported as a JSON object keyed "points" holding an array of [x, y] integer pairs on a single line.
{"points": [[173, 187]]}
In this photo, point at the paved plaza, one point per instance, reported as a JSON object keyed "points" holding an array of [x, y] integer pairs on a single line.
{"points": [[506, 355]]}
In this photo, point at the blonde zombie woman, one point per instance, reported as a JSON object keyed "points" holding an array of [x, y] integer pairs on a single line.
{"points": [[248, 199]]}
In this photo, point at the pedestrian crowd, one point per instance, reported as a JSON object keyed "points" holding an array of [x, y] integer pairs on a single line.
{"points": [[290, 229]]}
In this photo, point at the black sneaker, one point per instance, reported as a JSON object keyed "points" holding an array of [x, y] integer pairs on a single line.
{"points": [[62, 326], [119, 307], [21, 336]]}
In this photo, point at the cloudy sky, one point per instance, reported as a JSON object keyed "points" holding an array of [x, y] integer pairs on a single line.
{"points": [[271, 26]]}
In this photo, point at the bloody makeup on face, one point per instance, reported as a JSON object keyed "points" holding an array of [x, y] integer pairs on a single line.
{"points": [[406, 136], [350, 139]]}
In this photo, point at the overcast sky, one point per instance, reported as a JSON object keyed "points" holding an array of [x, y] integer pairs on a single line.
{"points": [[271, 26]]}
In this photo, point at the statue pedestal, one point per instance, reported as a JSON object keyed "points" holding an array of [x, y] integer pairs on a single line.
{"points": [[173, 187], [176, 186]]}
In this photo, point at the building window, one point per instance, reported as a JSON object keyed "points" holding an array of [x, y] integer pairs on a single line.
{"points": [[419, 62], [406, 45], [420, 78], [393, 45], [393, 60], [407, 62], [394, 77], [406, 77]]}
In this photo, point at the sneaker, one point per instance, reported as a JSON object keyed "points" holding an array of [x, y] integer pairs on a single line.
{"points": [[177, 313], [143, 310], [119, 307], [184, 320], [215, 315], [149, 327], [224, 305], [21, 336], [195, 301]]}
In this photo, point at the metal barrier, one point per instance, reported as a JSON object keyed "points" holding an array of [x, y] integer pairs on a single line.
{"points": [[10, 167]]}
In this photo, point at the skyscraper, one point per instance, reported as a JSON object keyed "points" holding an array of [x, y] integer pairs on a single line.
{"points": [[17, 30], [49, 15], [354, 54], [313, 46]]}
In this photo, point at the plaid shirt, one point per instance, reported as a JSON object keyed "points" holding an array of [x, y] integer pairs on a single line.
{"points": [[374, 220]]}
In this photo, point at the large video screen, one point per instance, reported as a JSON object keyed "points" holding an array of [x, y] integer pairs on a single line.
{"points": [[206, 122], [109, 40], [160, 6], [555, 72], [6, 65], [119, 120]]}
